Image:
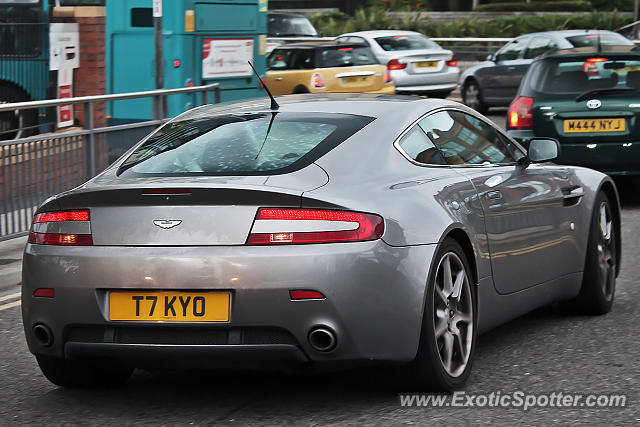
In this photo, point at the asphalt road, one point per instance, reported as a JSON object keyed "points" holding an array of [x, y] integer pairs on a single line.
{"points": [[543, 352]]}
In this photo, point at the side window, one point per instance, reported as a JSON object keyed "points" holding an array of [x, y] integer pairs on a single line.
{"points": [[301, 59], [417, 146], [464, 139], [359, 40], [538, 46], [511, 50], [278, 59]]}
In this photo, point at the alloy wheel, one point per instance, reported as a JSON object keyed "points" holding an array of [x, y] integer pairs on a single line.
{"points": [[453, 314], [606, 248]]}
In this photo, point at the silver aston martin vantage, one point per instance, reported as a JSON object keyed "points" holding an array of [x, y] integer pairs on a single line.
{"points": [[331, 230]]}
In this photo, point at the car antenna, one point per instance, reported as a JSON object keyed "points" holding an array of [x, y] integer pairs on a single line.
{"points": [[274, 104]]}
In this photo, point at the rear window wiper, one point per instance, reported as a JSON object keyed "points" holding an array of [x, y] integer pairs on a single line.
{"points": [[603, 91]]}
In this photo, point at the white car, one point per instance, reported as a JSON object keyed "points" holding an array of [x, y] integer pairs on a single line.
{"points": [[416, 63]]}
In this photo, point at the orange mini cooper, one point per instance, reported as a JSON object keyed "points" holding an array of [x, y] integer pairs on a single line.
{"points": [[326, 67]]}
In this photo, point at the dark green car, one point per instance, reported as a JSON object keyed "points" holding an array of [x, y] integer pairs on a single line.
{"points": [[589, 100]]}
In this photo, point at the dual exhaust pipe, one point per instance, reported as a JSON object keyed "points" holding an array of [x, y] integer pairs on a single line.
{"points": [[43, 335], [322, 339]]}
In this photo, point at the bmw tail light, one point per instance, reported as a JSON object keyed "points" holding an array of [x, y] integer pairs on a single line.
{"points": [[48, 228], [521, 113], [317, 81], [453, 62], [395, 64], [590, 68], [278, 226]]}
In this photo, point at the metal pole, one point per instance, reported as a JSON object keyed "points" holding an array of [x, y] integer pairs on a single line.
{"points": [[91, 148], [159, 58]]}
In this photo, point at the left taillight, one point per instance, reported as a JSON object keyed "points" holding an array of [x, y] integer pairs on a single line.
{"points": [[283, 226], [68, 228], [520, 114]]}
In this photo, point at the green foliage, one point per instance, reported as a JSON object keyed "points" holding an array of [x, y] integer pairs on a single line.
{"points": [[508, 26], [543, 6], [604, 5]]}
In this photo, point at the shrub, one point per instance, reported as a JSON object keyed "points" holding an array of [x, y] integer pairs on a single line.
{"points": [[545, 6], [507, 26]]}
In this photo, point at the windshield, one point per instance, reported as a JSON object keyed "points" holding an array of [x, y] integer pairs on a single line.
{"points": [[604, 39], [346, 57], [241, 144], [575, 76], [406, 42], [290, 25]]}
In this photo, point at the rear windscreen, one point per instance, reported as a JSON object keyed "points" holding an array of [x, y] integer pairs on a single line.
{"points": [[241, 144], [346, 57], [406, 42], [604, 39], [574, 76]]}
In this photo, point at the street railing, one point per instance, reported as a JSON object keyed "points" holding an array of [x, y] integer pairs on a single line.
{"points": [[37, 167]]}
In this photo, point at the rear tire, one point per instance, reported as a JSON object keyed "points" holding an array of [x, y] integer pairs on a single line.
{"points": [[447, 341], [300, 89], [472, 96], [599, 277], [83, 373]]}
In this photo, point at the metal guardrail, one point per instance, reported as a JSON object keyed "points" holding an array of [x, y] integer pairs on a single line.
{"points": [[37, 167]]}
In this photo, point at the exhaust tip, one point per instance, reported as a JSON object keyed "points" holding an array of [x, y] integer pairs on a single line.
{"points": [[322, 339], [43, 334]]}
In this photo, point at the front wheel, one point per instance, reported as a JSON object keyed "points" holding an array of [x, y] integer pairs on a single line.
{"points": [[448, 335], [472, 96], [599, 277]]}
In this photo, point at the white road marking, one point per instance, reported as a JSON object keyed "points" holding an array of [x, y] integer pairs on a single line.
{"points": [[11, 304], [10, 296]]}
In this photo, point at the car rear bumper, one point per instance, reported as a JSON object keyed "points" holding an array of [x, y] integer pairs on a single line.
{"points": [[374, 301], [612, 158], [446, 80], [388, 89]]}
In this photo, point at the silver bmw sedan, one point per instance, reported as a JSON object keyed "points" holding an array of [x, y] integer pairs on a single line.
{"points": [[328, 230]]}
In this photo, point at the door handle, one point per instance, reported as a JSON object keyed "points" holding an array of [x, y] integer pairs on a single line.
{"points": [[511, 68], [494, 195], [278, 79]]}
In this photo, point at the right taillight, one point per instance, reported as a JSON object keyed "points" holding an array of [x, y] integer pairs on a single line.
{"points": [[317, 81], [453, 62], [61, 228], [520, 113], [395, 64], [290, 226]]}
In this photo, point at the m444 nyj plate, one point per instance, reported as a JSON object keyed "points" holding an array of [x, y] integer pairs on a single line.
{"points": [[594, 125], [169, 306]]}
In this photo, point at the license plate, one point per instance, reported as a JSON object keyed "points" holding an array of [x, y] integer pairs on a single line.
{"points": [[594, 125], [355, 79], [169, 306], [426, 64]]}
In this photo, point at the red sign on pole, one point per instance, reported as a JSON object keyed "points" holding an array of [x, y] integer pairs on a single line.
{"points": [[65, 90]]}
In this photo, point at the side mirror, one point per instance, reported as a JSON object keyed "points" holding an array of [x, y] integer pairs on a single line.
{"points": [[490, 57], [543, 150]]}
